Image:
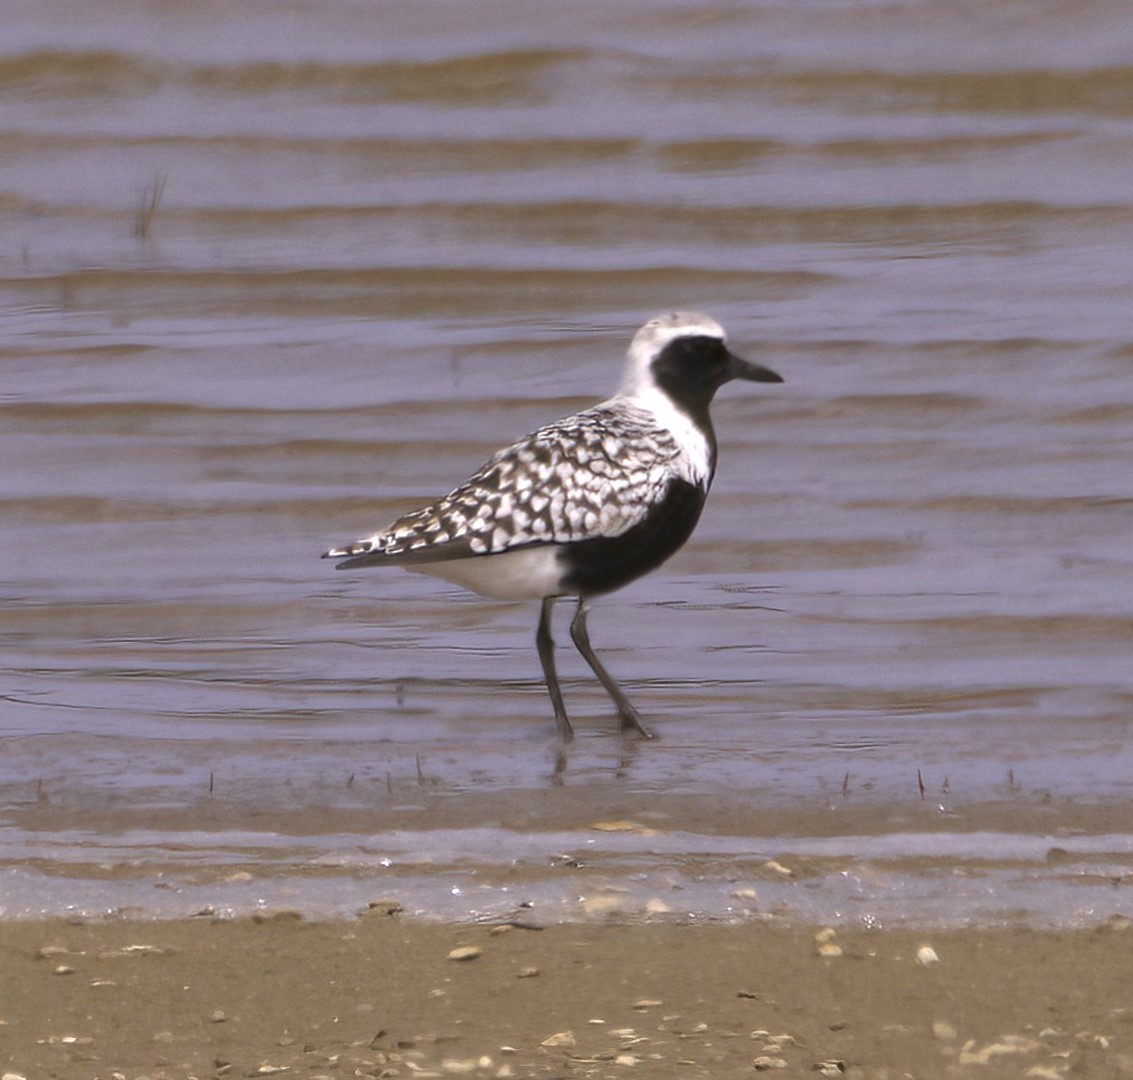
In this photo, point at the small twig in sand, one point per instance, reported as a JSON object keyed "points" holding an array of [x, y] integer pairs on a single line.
{"points": [[147, 207]]}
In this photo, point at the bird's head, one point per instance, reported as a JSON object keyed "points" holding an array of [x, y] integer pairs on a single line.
{"points": [[685, 354]]}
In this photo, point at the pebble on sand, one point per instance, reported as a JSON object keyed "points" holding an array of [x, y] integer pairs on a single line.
{"points": [[131, 951], [602, 905], [384, 906], [49, 952], [763, 1063], [560, 1038], [825, 945], [457, 1067], [832, 1067], [1008, 1044], [465, 952], [926, 955]]}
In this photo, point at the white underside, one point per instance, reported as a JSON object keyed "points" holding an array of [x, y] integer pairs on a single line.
{"points": [[527, 574]]}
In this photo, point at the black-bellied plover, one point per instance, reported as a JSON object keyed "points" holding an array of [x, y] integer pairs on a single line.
{"points": [[586, 504]]}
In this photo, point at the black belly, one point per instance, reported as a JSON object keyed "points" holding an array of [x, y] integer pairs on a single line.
{"points": [[607, 563]]}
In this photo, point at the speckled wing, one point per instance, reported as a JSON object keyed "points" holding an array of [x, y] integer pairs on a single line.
{"points": [[593, 474]]}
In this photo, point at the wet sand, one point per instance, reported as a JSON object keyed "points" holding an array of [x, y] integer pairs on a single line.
{"points": [[382, 996]]}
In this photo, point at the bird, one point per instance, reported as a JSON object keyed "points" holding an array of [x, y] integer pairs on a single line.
{"points": [[586, 504]]}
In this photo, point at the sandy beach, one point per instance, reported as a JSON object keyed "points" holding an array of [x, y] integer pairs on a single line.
{"points": [[384, 996]]}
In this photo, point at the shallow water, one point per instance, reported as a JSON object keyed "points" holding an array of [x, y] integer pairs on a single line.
{"points": [[271, 275]]}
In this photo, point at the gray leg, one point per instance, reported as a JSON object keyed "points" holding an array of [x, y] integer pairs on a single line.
{"points": [[546, 646], [627, 714]]}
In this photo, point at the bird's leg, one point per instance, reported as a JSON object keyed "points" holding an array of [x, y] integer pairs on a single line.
{"points": [[546, 646], [627, 714]]}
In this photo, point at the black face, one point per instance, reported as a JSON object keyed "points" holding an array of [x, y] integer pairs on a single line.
{"points": [[692, 368]]}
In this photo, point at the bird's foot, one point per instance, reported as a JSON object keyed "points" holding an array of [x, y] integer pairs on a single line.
{"points": [[560, 764], [565, 731], [632, 725]]}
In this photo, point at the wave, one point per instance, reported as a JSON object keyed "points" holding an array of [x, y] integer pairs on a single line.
{"points": [[525, 76], [1100, 91], [477, 78]]}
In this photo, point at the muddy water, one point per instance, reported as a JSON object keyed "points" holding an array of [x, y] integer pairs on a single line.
{"points": [[270, 275]]}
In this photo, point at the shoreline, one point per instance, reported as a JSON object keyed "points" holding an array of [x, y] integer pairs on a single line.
{"points": [[383, 995], [1061, 865]]}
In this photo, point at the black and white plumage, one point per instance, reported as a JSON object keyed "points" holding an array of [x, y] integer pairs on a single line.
{"points": [[586, 504]]}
